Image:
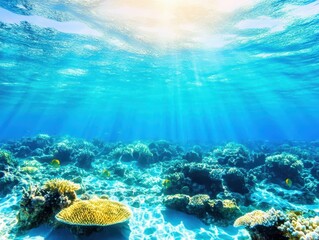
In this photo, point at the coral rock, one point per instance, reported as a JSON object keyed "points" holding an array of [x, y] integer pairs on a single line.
{"points": [[284, 166], [258, 217], [197, 204], [251, 219], [94, 212], [177, 201], [60, 185]]}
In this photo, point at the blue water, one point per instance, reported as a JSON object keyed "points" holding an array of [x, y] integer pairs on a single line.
{"points": [[65, 69]]}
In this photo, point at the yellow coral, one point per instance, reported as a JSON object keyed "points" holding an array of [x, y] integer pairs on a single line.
{"points": [[230, 204], [251, 219], [226, 203], [29, 169], [299, 227], [61, 185], [94, 212], [5, 157], [224, 209]]}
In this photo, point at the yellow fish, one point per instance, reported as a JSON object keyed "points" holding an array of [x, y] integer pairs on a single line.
{"points": [[55, 163], [167, 183], [106, 173], [288, 182]]}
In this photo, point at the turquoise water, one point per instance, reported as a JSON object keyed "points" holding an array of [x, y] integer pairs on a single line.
{"points": [[247, 74], [187, 114]]}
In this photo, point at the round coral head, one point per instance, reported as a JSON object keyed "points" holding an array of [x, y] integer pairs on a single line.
{"points": [[94, 212]]}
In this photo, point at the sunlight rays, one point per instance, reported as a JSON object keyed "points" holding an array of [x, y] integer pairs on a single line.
{"points": [[165, 23]]}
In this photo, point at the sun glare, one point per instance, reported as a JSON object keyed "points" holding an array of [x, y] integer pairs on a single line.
{"points": [[228, 6], [163, 23]]}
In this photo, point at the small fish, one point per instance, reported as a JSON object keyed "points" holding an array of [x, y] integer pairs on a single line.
{"points": [[167, 183], [106, 173], [288, 182], [55, 163]]}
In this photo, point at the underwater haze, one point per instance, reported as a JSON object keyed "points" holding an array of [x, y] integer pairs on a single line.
{"points": [[195, 72]]}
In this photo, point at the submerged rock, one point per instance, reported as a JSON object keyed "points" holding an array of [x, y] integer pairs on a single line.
{"points": [[142, 153], [235, 181], [164, 151], [39, 204], [196, 177], [283, 166], [233, 154], [275, 224], [210, 211]]}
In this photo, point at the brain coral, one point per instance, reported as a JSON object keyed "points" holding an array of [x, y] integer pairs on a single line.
{"points": [[274, 224], [94, 212], [60, 185]]}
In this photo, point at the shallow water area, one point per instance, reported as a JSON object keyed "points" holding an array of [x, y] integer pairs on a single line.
{"points": [[158, 119]]}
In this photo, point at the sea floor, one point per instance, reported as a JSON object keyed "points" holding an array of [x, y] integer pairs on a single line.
{"points": [[143, 175]]}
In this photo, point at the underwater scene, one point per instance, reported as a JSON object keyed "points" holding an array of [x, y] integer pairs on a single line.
{"points": [[159, 119]]}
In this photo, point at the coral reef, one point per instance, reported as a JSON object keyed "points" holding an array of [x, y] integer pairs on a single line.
{"points": [[283, 166], [62, 151], [235, 181], [197, 205], [262, 225], [274, 224], [222, 212], [62, 187], [299, 227], [177, 201], [34, 146], [122, 153], [194, 178], [233, 154], [8, 179], [195, 155], [217, 184], [94, 212], [315, 171], [32, 208], [142, 153], [38, 205], [211, 211], [164, 151], [5, 159], [138, 151], [29, 169], [8, 176], [83, 157], [258, 217], [81, 152]]}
